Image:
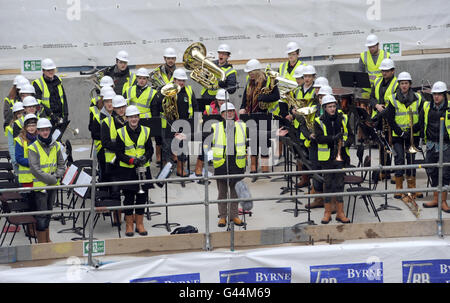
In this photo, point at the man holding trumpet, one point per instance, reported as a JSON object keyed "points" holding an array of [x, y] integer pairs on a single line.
{"points": [[134, 151]]}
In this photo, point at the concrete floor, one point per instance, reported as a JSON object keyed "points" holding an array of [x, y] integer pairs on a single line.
{"points": [[266, 214]]}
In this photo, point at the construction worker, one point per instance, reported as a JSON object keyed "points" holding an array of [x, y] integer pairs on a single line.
{"points": [[47, 166], [159, 77], [384, 87], [17, 111], [230, 82], [429, 122], [134, 151], [186, 106], [287, 68], [141, 94], [120, 73], [27, 136], [12, 98], [403, 100], [106, 81], [95, 121], [253, 101], [50, 92], [334, 137], [30, 105], [229, 148], [370, 61]]}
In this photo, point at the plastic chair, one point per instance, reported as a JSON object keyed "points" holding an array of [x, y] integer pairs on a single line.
{"points": [[23, 220], [366, 198]]}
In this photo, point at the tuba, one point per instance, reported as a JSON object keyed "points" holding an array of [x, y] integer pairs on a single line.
{"points": [[285, 86], [169, 103], [308, 113], [204, 71]]}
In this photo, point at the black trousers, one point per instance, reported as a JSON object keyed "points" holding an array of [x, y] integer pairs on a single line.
{"points": [[44, 201], [432, 156], [401, 147], [333, 182], [133, 198], [315, 165]]}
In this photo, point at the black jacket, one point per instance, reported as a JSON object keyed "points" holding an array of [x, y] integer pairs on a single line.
{"points": [[433, 127], [119, 77], [56, 110]]}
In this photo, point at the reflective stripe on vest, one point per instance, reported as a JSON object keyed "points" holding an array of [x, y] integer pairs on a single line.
{"points": [[228, 71], [144, 100], [298, 94], [96, 116], [324, 151], [132, 150], [220, 141], [401, 113], [371, 67], [283, 70], [109, 155], [48, 162], [391, 88], [25, 175], [426, 110], [129, 83], [46, 93]]}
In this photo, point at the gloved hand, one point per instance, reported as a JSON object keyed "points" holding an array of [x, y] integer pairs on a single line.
{"points": [[142, 159], [338, 136], [138, 162], [222, 84]]}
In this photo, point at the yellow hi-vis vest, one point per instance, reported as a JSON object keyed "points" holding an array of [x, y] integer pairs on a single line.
{"points": [[144, 100], [298, 94], [131, 78], [274, 107], [324, 152], [96, 116], [48, 162], [426, 110], [46, 93], [228, 71], [109, 155], [389, 91], [372, 68], [220, 141], [401, 113], [132, 150], [283, 70], [25, 175], [188, 89]]}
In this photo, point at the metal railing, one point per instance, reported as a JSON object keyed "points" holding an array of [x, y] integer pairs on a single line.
{"points": [[207, 201]]}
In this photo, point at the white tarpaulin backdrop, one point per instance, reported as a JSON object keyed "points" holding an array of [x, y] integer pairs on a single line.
{"points": [[71, 31], [389, 261]]}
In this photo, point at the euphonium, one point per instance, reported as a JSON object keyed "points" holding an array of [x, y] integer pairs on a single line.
{"points": [[308, 114], [156, 79], [169, 103], [204, 71], [412, 149]]}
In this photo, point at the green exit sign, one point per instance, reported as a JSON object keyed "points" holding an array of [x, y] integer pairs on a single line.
{"points": [[31, 65], [98, 248], [393, 48]]}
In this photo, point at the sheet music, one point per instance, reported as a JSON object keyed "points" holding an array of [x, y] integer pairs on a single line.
{"points": [[63, 152], [56, 134], [83, 178], [69, 175]]}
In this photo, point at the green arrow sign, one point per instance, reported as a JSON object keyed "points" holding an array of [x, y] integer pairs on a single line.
{"points": [[31, 65], [98, 248]]}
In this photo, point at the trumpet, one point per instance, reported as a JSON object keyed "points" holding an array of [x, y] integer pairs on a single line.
{"points": [[141, 176], [412, 149]]}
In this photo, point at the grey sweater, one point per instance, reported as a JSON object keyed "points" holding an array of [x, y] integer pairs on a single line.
{"points": [[35, 166]]}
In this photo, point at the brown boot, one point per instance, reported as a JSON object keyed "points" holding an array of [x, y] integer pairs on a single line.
{"points": [[398, 185], [158, 154], [238, 222], [340, 215], [41, 236], [317, 203], [432, 203], [304, 179], [222, 222], [333, 207], [129, 226], [264, 164], [412, 184], [253, 164], [327, 214], [140, 225], [47, 235], [445, 207], [199, 168]]}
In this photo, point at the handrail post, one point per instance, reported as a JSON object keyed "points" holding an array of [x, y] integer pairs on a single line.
{"points": [[441, 168], [206, 180], [92, 213]]}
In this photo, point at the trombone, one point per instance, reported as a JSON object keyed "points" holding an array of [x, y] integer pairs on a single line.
{"points": [[412, 148]]}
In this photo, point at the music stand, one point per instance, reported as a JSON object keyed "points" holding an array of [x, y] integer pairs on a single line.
{"points": [[258, 117], [165, 172], [154, 123]]}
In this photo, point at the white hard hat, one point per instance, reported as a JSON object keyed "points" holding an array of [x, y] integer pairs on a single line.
{"points": [[17, 106], [251, 65], [132, 110], [227, 106], [387, 64], [298, 72], [109, 94], [221, 94], [325, 90], [309, 70], [142, 72], [291, 47], [29, 101], [30, 116], [320, 81], [44, 123], [106, 81], [439, 87], [118, 101], [170, 53], [224, 48], [21, 83], [180, 74], [27, 89], [17, 78], [328, 99], [371, 40], [104, 90], [404, 76], [122, 56], [48, 64]]}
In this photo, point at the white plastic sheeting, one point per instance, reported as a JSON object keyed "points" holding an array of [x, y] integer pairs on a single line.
{"points": [[73, 31]]}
